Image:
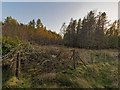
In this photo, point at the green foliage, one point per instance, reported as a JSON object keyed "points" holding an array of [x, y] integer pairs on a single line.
{"points": [[8, 43], [92, 32], [6, 73], [24, 82]]}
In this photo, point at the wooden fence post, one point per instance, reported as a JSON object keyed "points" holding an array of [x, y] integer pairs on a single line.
{"points": [[91, 57], [105, 58], [73, 57], [18, 66]]}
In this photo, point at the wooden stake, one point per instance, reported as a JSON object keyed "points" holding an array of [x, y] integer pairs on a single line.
{"points": [[105, 57], [91, 57], [74, 59], [18, 66]]}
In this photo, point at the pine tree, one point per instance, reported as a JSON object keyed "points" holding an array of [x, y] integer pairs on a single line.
{"points": [[73, 38], [39, 24], [99, 31], [86, 36], [32, 24], [79, 27]]}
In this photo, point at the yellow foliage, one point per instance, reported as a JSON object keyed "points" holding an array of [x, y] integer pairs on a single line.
{"points": [[12, 82]]}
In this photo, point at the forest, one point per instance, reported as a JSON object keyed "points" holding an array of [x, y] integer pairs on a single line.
{"points": [[84, 54], [93, 31]]}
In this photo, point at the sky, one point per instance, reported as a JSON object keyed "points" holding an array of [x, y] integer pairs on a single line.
{"points": [[53, 14], [59, 0]]}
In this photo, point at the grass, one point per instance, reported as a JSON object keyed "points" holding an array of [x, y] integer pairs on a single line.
{"points": [[11, 83], [24, 82], [99, 73]]}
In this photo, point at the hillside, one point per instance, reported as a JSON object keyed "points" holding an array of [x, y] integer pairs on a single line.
{"points": [[85, 57], [52, 66]]}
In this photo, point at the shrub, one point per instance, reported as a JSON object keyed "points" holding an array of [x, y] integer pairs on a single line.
{"points": [[8, 43]]}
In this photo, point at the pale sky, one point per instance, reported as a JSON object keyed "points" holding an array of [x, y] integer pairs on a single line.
{"points": [[59, 0], [53, 14]]}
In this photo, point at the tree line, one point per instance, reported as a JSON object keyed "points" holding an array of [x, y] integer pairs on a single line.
{"points": [[34, 32], [93, 31]]}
